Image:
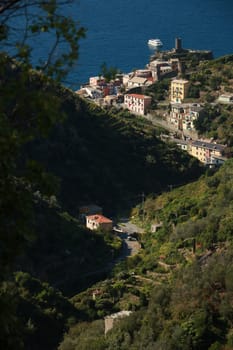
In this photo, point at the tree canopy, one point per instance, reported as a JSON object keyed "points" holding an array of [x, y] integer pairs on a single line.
{"points": [[25, 25], [27, 110], [27, 107]]}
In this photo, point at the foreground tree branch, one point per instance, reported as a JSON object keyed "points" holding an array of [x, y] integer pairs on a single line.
{"points": [[38, 19], [7, 5]]}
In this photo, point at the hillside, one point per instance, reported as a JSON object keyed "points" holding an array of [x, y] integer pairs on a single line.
{"points": [[93, 155], [58, 152], [62, 152], [108, 157], [63, 252], [208, 82], [181, 297]]}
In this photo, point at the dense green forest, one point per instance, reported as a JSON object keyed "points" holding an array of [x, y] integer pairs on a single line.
{"points": [[57, 153], [108, 157], [180, 293], [57, 157], [208, 81]]}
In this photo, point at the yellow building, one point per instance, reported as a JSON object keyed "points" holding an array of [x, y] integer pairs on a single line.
{"points": [[208, 153], [179, 90]]}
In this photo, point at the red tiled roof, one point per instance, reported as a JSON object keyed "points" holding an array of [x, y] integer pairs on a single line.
{"points": [[138, 96], [99, 218]]}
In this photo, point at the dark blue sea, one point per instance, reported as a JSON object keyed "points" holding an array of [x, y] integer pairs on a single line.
{"points": [[118, 31]]}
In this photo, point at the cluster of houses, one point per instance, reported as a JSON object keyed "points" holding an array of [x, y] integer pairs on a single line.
{"points": [[118, 89], [181, 116], [106, 93], [94, 219], [209, 153], [99, 89], [140, 104]]}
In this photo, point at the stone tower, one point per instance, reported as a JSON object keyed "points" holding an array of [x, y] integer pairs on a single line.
{"points": [[178, 44]]}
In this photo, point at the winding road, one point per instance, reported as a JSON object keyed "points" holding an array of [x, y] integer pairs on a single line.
{"points": [[129, 248]]}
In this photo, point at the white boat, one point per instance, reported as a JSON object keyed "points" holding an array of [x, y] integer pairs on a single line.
{"points": [[156, 43]]}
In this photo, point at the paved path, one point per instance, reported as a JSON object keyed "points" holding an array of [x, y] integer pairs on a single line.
{"points": [[129, 248], [128, 226]]}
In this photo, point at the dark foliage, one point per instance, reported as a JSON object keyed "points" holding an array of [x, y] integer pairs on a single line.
{"points": [[108, 158]]}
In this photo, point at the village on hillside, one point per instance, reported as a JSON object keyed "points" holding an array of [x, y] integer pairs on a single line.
{"points": [[178, 114]]}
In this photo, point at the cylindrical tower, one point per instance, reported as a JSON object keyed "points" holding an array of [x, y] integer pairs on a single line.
{"points": [[178, 44]]}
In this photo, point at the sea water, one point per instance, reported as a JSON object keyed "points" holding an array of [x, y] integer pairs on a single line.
{"points": [[118, 31]]}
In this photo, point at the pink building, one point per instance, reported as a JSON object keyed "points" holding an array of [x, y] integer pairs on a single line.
{"points": [[137, 103]]}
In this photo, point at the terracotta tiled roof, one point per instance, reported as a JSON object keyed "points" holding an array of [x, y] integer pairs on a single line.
{"points": [[139, 96], [99, 218]]}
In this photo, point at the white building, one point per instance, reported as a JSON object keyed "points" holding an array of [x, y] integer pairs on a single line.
{"points": [[137, 103], [95, 222], [138, 82], [159, 68], [111, 319], [96, 81], [143, 73], [183, 115], [225, 98], [126, 78]]}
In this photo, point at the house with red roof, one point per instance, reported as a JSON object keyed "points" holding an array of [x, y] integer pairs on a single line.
{"points": [[137, 103], [98, 222]]}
